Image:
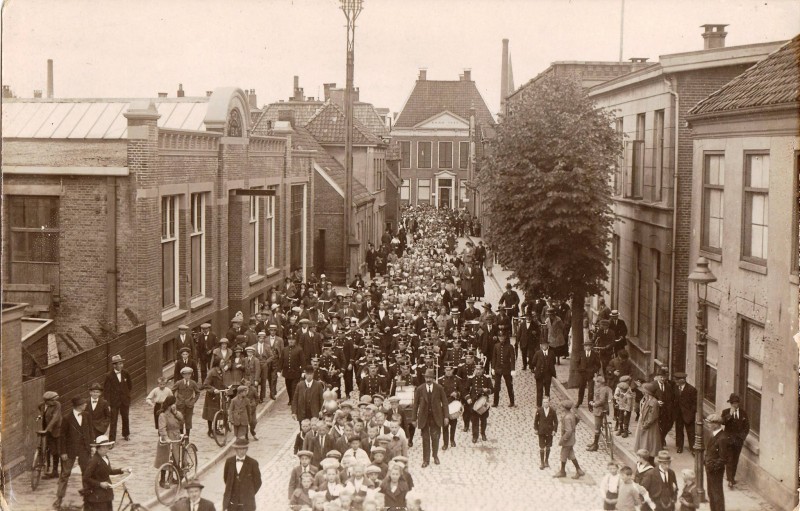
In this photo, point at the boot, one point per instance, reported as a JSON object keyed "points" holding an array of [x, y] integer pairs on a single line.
{"points": [[617, 428], [547, 457], [541, 458], [593, 446], [578, 472], [562, 472]]}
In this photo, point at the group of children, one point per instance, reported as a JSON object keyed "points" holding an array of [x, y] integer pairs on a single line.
{"points": [[620, 492]]}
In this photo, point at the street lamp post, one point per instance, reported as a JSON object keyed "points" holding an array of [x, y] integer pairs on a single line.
{"points": [[700, 278], [351, 10]]}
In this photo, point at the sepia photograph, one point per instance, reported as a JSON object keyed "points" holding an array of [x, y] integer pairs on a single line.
{"points": [[400, 255]]}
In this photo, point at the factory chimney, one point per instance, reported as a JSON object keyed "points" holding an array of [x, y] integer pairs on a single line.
{"points": [[49, 78]]}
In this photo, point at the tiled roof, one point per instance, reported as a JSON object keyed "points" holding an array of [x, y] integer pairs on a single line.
{"points": [[303, 112], [329, 127], [93, 118], [432, 97], [366, 114], [773, 81], [303, 139]]}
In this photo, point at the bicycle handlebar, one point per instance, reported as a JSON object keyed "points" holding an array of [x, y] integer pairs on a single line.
{"points": [[122, 481]]}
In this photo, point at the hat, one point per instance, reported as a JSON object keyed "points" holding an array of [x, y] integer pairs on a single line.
{"points": [[394, 399], [272, 325], [250, 348], [663, 371], [274, 306], [383, 437], [430, 372], [644, 453], [378, 448], [664, 456], [50, 395], [372, 469], [205, 325], [237, 348], [401, 459], [223, 339], [117, 359], [333, 454], [241, 388], [184, 350], [305, 453], [241, 443], [679, 376], [624, 378], [101, 441], [183, 327], [567, 404], [304, 321], [194, 483], [623, 385], [329, 463], [714, 419], [614, 313], [366, 399], [734, 398], [186, 370], [78, 400], [346, 403], [95, 386], [650, 387], [378, 396], [261, 333], [487, 306]]}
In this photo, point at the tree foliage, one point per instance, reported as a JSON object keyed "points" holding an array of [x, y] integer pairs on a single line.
{"points": [[547, 192]]}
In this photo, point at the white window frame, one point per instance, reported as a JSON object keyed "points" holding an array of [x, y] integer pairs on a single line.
{"points": [[420, 186], [713, 188], [440, 152], [409, 154], [269, 251], [405, 189], [751, 191], [254, 228], [170, 233], [430, 155], [198, 229], [461, 151], [462, 191], [658, 154]]}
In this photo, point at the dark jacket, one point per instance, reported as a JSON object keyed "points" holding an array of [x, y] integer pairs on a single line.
{"points": [[183, 505], [307, 396], [544, 367], [737, 430], [101, 415], [528, 336], [503, 358], [118, 393], [718, 452], [97, 471], [587, 366], [438, 406], [292, 362], [396, 499], [75, 439], [242, 487], [685, 404], [545, 425]]}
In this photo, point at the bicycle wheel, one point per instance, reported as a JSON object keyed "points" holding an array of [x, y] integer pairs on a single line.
{"points": [[610, 441], [220, 426], [190, 461], [36, 469], [168, 489], [138, 507]]}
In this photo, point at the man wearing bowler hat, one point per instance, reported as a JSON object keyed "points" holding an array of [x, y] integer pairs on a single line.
{"points": [[99, 409], [684, 407], [193, 501], [117, 389], [737, 426], [717, 457], [669, 483], [430, 413], [75, 440], [242, 478]]}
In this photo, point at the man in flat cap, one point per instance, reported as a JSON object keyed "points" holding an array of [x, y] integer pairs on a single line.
{"points": [[193, 501]]}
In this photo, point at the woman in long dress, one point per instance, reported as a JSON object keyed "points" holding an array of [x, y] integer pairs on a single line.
{"points": [[648, 436]]}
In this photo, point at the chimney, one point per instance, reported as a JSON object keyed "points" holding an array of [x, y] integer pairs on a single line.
{"points": [[7, 92], [327, 87], [252, 98], [162, 94], [286, 115], [504, 77], [423, 74], [713, 36], [49, 78], [638, 60], [180, 90], [37, 93], [209, 93], [297, 95], [467, 75], [355, 95]]}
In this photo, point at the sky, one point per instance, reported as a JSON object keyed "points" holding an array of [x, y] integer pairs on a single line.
{"points": [[137, 48]]}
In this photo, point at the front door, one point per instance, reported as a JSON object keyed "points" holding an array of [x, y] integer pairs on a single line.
{"points": [[444, 197]]}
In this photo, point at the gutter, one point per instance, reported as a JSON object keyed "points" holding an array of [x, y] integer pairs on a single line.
{"points": [[672, 91]]}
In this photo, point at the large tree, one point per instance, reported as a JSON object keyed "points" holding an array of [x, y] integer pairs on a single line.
{"points": [[546, 186]]}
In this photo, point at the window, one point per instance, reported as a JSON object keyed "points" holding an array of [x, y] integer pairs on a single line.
{"points": [[713, 187], [445, 155], [405, 189], [34, 233], [714, 329], [463, 192], [751, 371], [298, 232], [254, 234], [634, 161], [617, 263], [423, 191], [658, 154], [169, 252], [463, 155], [423, 155], [661, 343], [618, 127], [756, 207], [405, 155], [269, 235], [637, 286], [197, 241]]}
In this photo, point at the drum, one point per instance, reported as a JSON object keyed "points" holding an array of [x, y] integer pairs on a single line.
{"points": [[481, 406], [456, 409], [406, 395]]}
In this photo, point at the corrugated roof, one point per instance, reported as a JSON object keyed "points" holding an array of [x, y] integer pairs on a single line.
{"points": [[328, 126], [303, 139], [93, 118], [773, 81], [432, 97]]}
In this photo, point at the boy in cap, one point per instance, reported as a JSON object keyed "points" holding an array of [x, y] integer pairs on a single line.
{"points": [[623, 405], [50, 412], [567, 442], [193, 501], [239, 412], [252, 404], [304, 458], [184, 360], [186, 392], [546, 425]]}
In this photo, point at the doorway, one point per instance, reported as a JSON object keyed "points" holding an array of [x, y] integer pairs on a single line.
{"points": [[445, 193]]}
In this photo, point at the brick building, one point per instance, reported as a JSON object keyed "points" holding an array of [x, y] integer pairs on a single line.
{"points": [[652, 191], [157, 212], [440, 133], [745, 219]]}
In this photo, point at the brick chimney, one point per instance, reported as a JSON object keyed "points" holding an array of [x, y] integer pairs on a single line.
{"points": [[162, 94], [286, 115], [297, 95], [423, 74], [713, 36], [49, 78], [467, 76], [638, 60], [328, 87], [252, 98], [504, 77], [37, 93], [180, 90], [355, 95]]}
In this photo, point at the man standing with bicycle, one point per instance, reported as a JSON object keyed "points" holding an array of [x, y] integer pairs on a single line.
{"points": [[601, 404], [50, 412]]}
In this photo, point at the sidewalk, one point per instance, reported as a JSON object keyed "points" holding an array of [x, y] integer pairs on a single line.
{"points": [[741, 499], [138, 454]]}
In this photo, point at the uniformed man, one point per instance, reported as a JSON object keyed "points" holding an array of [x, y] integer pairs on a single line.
{"points": [[331, 367], [292, 366], [480, 386], [503, 361], [466, 373], [373, 383], [453, 389]]}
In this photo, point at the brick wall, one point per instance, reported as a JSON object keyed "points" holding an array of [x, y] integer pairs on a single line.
{"points": [[13, 420], [329, 215]]}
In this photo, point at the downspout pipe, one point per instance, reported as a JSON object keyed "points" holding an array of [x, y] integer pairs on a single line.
{"points": [[674, 93], [111, 251]]}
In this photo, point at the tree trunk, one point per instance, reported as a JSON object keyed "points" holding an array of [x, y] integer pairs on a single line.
{"points": [[578, 301]]}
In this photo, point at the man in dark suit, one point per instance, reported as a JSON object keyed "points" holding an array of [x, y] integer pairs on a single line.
{"points": [[587, 364], [527, 337], [717, 457], [503, 368], [292, 366], [545, 424], [370, 260], [98, 493], [684, 408], [737, 427], [205, 342], [74, 442], [486, 340], [665, 393], [117, 389], [543, 366], [429, 413], [307, 399], [184, 340], [242, 478], [99, 410], [669, 483], [617, 325], [184, 360], [193, 501], [319, 442], [604, 341]]}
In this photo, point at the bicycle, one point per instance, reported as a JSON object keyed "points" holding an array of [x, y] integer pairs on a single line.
{"points": [[131, 505], [176, 472], [40, 457], [219, 424], [607, 437]]}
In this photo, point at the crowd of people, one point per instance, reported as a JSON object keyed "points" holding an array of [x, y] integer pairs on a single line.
{"points": [[406, 351]]}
